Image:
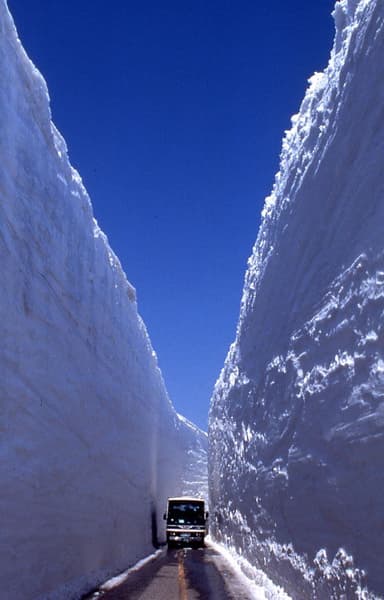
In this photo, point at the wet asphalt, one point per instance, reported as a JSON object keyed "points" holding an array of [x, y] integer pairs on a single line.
{"points": [[179, 574]]}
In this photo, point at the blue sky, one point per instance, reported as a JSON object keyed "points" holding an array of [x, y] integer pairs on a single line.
{"points": [[173, 113]]}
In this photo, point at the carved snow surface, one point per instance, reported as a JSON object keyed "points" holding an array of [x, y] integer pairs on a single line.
{"points": [[90, 445], [297, 416]]}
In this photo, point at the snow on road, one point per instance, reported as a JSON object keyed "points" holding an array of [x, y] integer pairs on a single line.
{"points": [[187, 574]]}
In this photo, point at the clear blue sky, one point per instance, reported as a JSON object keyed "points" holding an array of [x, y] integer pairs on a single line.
{"points": [[173, 113]]}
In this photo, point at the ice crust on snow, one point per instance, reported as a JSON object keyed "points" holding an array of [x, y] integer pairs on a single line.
{"points": [[91, 445], [296, 460]]}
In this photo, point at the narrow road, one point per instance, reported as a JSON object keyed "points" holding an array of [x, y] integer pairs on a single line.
{"points": [[180, 574]]}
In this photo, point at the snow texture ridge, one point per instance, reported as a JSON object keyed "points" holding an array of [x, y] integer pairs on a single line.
{"points": [[90, 444], [296, 434]]}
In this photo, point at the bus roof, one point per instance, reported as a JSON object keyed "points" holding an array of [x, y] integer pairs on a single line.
{"points": [[185, 499]]}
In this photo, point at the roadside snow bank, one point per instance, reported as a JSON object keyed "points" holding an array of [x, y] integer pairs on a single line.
{"points": [[297, 416], [260, 587], [90, 444]]}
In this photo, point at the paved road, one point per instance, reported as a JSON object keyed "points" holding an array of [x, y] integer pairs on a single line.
{"points": [[180, 574]]}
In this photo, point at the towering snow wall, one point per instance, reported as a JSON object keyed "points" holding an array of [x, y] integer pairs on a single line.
{"points": [[90, 445], [296, 459]]}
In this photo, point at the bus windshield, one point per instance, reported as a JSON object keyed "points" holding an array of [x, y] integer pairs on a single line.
{"points": [[191, 513]]}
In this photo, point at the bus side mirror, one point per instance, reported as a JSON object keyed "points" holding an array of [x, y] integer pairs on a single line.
{"points": [[207, 515], [164, 516]]}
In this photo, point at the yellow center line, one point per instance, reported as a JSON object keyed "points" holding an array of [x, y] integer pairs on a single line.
{"points": [[183, 592]]}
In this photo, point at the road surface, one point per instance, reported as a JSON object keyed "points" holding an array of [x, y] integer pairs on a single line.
{"points": [[179, 574]]}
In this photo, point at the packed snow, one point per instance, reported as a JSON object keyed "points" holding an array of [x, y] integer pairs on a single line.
{"points": [[296, 460], [90, 444], [255, 581]]}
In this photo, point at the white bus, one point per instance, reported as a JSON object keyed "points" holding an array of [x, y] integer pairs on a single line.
{"points": [[186, 521]]}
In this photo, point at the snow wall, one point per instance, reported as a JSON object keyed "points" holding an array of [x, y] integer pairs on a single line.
{"points": [[90, 444], [296, 434]]}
